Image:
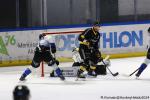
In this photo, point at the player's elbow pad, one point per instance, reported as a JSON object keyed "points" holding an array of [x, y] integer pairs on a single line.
{"points": [[53, 48]]}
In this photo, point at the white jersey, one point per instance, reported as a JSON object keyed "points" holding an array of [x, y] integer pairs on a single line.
{"points": [[46, 41], [50, 38]]}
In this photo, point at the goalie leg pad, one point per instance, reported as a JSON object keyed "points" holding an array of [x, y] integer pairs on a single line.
{"points": [[76, 56]]}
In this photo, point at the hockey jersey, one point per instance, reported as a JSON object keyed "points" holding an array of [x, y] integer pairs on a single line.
{"points": [[47, 43], [90, 37]]}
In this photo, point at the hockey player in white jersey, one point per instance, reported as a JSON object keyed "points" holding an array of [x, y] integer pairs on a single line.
{"points": [[147, 59], [43, 52]]}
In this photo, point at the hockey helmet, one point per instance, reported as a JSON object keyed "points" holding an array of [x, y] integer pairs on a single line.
{"points": [[21, 92], [96, 23], [96, 26]]}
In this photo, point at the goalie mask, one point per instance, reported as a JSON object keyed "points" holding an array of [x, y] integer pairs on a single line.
{"points": [[21, 92]]}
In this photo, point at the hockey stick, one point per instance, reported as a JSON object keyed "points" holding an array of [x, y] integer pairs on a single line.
{"points": [[134, 72], [113, 74]]}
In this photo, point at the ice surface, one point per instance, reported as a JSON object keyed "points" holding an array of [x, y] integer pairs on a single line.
{"points": [[46, 88]]}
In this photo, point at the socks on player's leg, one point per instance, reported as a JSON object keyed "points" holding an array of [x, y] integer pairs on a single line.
{"points": [[141, 69], [25, 73], [59, 73]]}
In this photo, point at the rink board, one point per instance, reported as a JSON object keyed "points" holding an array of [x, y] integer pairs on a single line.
{"points": [[116, 40]]}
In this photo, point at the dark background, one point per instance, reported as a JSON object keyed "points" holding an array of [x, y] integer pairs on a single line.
{"points": [[30, 13]]}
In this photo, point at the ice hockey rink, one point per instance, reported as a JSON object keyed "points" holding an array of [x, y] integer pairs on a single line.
{"points": [[101, 88]]}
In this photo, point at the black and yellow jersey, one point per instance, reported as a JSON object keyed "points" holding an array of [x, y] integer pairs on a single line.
{"points": [[90, 37]]}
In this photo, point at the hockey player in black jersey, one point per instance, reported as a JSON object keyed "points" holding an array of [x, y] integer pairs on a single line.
{"points": [[43, 52], [147, 59], [89, 51]]}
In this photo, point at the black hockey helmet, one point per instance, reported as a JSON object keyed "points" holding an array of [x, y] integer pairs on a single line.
{"points": [[96, 26], [21, 92], [96, 23]]}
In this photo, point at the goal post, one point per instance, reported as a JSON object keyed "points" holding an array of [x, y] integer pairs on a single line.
{"points": [[42, 69]]}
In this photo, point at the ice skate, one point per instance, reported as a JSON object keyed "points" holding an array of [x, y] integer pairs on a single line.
{"points": [[81, 75], [61, 77], [52, 74], [137, 76], [22, 78]]}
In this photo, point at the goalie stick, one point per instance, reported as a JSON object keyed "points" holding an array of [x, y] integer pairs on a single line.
{"points": [[113, 74]]}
